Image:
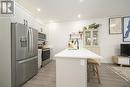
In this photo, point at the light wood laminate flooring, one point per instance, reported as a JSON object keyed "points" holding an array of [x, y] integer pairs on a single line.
{"points": [[47, 78], [108, 78]]}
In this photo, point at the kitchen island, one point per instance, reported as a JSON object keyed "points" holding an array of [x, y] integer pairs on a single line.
{"points": [[71, 67]]}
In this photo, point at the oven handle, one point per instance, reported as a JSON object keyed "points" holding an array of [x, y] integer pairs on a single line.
{"points": [[46, 50]]}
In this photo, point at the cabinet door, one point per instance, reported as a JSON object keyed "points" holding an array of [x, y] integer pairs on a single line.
{"points": [[91, 38], [95, 38], [87, 38], [123, 61]]}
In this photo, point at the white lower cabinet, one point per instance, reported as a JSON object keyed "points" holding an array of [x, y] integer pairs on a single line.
{"points": [[124, 60], [121, 60]]}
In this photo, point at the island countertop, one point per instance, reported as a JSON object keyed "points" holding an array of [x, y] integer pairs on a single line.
{"points": [[80, 53]]}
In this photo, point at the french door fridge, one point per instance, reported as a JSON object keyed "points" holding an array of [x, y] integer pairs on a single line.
{"points": [[24, 53]]}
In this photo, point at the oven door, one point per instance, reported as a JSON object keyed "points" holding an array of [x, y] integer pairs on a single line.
{"points": [[45, 54]]}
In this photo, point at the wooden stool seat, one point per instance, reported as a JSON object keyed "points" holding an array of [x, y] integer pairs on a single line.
{"points": [[93, 69], [92, 61]]}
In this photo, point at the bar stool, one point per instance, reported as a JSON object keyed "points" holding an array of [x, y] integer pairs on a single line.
{"points": [[92, 69]]}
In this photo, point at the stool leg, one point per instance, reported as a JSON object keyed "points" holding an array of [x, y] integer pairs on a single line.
{"points": [[94, 70], [98, 74], [88, 73]]}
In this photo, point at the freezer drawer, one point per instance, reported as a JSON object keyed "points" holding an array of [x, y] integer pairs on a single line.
{"points": [[26, 69]]}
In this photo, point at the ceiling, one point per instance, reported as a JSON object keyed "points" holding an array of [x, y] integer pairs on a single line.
{"points": [[67, 10]]}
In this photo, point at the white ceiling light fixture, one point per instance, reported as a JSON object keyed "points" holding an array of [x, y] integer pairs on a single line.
{"points": [[79, 16], [81, 0], [38, 9]]}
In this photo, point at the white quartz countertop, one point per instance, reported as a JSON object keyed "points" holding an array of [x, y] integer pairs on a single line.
{"points": [[81, 53]]}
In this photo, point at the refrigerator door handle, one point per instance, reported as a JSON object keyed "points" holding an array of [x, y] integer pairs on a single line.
{"points": [[31, 43], [26, 60], [28, 41]]}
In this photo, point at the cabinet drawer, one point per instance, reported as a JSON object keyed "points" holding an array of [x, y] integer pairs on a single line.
{"points": [[123, 61]]}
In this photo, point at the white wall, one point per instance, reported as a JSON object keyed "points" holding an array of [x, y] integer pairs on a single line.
{"points": [[5, 54], [5, 40], [59, 36], [21, 13]]}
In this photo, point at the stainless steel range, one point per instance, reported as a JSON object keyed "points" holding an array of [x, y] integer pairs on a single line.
{"points": [[43, 51], [45, 56]]}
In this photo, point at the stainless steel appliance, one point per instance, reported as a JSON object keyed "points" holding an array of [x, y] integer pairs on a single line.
{"points": [[41, 36], [45, 56], [44, 53], [24, 53]]}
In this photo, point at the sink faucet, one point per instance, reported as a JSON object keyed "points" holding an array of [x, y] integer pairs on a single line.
{"points": [[77, 43]]}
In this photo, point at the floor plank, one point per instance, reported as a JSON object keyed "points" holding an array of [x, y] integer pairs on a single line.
{"points": [[47, 78], [108, 78]]}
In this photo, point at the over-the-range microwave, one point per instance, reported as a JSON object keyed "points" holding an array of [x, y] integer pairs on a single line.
{"points": [[41, 37]]}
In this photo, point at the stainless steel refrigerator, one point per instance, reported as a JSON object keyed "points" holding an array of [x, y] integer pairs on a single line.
{"points": [[24, 53]]}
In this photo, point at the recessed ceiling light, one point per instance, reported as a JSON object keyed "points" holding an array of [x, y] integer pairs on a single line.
{"points": [[38, 9], [79, 16], [81, 0]]}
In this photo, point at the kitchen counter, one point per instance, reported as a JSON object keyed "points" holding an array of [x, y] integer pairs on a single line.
{"points": [[71, 67], [74, 53]]}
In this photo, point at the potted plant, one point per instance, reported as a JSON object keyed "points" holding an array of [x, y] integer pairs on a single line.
{"points": [[92, 26]]}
